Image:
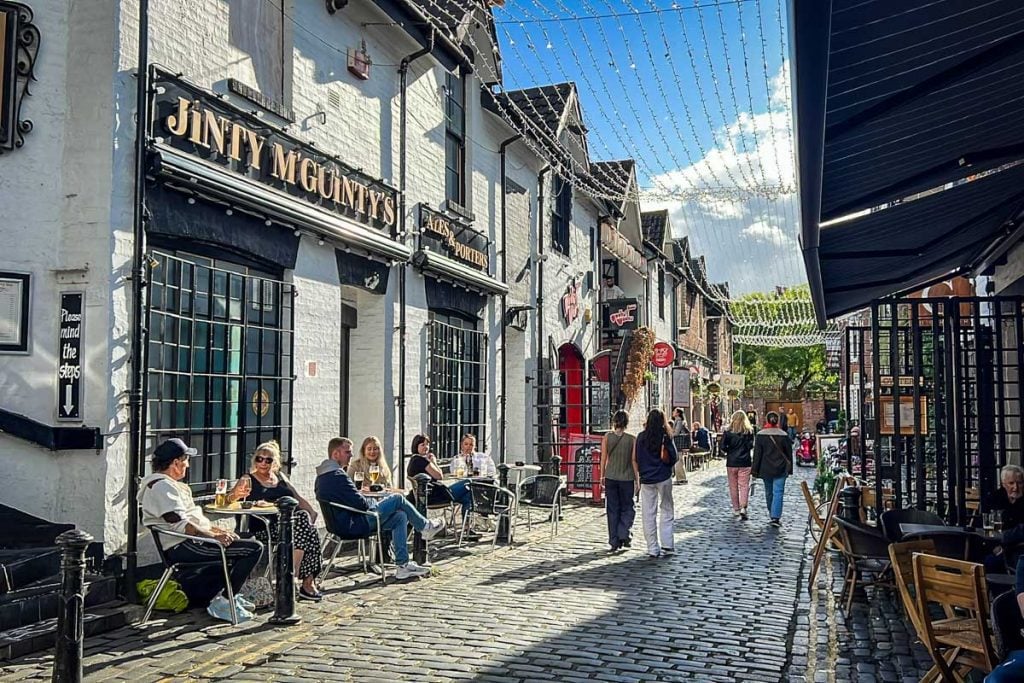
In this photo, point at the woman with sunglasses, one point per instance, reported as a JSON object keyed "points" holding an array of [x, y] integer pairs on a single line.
{"points": [[265, 481]]}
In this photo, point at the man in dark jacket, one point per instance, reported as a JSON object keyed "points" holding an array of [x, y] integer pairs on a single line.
{"points": [[396, 513], [773, 462]]}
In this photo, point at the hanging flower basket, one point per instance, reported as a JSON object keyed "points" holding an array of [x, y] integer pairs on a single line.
{"points": [[733, 393], [638, 361], [714, 388]]}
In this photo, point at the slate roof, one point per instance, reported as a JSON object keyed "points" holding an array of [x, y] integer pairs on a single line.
{"points": [[615, 174], [543, 106], [655, 225]]}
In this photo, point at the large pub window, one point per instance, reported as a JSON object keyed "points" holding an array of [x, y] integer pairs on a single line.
{"points": [[219, 362], [561, 215], [455, 139], [458, 381]]}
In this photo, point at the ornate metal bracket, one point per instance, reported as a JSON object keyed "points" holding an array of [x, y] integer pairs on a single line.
{"points": [[19, 47]]}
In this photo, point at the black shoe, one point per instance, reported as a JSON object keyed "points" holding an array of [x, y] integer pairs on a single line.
{"points": [[775, 523], [312, 597], [665, 552], [628, 543]]}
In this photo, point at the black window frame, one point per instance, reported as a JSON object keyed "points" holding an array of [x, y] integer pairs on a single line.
{"points": [[455, 139], [457, 347], [661, 292], [561, 214], [219, 362]]}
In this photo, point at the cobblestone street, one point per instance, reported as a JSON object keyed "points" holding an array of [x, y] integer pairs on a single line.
{"points": [[730, 605]]}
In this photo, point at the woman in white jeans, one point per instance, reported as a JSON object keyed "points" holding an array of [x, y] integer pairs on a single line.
{"points": [[654, 454]]}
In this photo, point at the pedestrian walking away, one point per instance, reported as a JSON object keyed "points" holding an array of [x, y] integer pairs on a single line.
{"points": [[621, 481], [654, 454], [737, 444], [773, 462]]}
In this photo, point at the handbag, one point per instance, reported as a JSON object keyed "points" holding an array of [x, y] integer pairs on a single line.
{"points": [[258, 590]]}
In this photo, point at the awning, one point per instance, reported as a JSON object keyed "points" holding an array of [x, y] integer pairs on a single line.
{"points": [[896, 105], [448, 270]]}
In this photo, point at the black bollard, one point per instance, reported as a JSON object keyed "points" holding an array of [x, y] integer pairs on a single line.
{"points": [[849, 503], [503, 521], [420, 493], [67, 663], [284, 594]]}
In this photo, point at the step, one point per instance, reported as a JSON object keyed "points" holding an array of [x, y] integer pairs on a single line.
{"points": [[21, 530], [23, 640], [40, 600], [19, 568]]}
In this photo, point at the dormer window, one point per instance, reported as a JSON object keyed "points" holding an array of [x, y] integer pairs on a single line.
{"points": [[455, 139]]}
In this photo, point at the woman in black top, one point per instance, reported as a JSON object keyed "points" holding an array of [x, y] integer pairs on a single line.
{"points": [[773, 462], [265, 481], [425, 462], [737, 442]]}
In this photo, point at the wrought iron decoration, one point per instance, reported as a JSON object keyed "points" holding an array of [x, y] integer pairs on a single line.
{"points": [[19, 47]]}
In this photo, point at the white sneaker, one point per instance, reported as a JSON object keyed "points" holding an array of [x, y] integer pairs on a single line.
{"points": [[220, 608], [736, 513], [411, 570], [433, 528]]}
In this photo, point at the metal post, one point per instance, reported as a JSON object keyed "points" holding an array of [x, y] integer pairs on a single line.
{"points": [[503, 521], [67, 664], [420, 493], [284, 595], [556, 465]]}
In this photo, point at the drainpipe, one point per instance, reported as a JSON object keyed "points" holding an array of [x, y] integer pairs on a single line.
{"points": [[136, 427], [504, 300], [540, 293], [403, 74]]}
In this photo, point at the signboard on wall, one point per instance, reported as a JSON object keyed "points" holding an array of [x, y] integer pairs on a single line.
{"points": [[681, 387], [663, 355], [69, 366], [732, 382], [621, 314]]}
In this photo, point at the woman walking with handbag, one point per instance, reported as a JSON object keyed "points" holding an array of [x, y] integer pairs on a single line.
{"points": [[737, 443], [773, 462], [620, 481], [654, 454]]}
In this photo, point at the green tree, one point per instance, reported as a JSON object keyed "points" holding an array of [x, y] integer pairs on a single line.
{"points": [[790, 370]]}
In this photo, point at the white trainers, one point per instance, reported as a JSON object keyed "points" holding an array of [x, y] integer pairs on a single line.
{"points": [[411, 570], [220, 608], [433, 528]]}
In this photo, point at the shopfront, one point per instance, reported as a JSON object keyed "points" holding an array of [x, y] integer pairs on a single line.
{"points": [[455, 260], [242, 219]]}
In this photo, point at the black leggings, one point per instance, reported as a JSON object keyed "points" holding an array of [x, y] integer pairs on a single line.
{"points": [[203, 583]]}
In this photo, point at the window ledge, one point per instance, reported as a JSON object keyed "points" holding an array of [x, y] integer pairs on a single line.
{"points": [[458, 209]]}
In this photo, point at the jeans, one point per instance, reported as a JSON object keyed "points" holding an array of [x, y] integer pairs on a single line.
{"points": [[202, 584], [658, 514], [461, 494], [774, 489], [620, 510], [396, 514], [739, 486]]}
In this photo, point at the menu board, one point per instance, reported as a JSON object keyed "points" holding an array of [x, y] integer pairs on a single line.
{"points": [[14, 291]]}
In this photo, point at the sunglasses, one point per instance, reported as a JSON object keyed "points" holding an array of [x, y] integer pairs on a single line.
{"points": [[263, 458]]}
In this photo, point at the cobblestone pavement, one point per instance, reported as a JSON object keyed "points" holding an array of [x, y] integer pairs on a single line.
{"points": [[731, 605]]}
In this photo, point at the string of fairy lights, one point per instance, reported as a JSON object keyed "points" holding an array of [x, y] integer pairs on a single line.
{"points": [[675, 88], [547, 43]]}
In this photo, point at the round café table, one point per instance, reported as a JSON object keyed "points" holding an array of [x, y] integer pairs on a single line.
{"points": [[262, 512]]}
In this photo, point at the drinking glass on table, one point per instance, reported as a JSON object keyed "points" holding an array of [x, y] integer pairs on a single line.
{"points": [[244, 487], [986, 523], [358, 476], [997, 520], [374, 473]]}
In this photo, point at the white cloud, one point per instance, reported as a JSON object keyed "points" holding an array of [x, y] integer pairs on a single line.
{"points": [[732, 214]]}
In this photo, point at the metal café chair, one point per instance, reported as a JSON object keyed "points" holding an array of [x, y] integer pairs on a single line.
{"points": [[338, 537], [172, 566], [866, 551], [490, 499], [542, 491]]}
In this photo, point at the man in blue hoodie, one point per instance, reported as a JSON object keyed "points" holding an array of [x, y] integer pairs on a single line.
{"points": [[396, 512]]}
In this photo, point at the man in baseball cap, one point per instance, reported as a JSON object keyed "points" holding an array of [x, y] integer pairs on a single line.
{"points": [[167, 505]]}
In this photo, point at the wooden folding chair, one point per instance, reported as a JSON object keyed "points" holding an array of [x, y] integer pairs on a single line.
{"points": [[962, 637], [814, 522], [830, 531]]}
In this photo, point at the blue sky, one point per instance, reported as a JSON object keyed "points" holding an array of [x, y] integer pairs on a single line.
{"points": [[697, 96]]}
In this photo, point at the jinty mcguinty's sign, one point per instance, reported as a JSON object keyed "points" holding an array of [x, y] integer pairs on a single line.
{"points": [[456, 239], [192, 121]]}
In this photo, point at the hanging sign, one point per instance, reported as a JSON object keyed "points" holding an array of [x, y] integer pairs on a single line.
{"points": [[621, 314], [69, 368], [571, 303], [663, 355], [454, 238], [681, 387], [731, 382]]}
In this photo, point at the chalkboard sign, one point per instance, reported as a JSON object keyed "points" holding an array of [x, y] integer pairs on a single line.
{"points": [[586, 461], [69, 367]]}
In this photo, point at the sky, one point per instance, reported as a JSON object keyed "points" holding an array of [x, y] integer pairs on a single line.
{"points": [[697, 93]]}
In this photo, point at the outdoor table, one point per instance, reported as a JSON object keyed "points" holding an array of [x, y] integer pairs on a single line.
{"points": [[967, 534], [235, 509]]}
